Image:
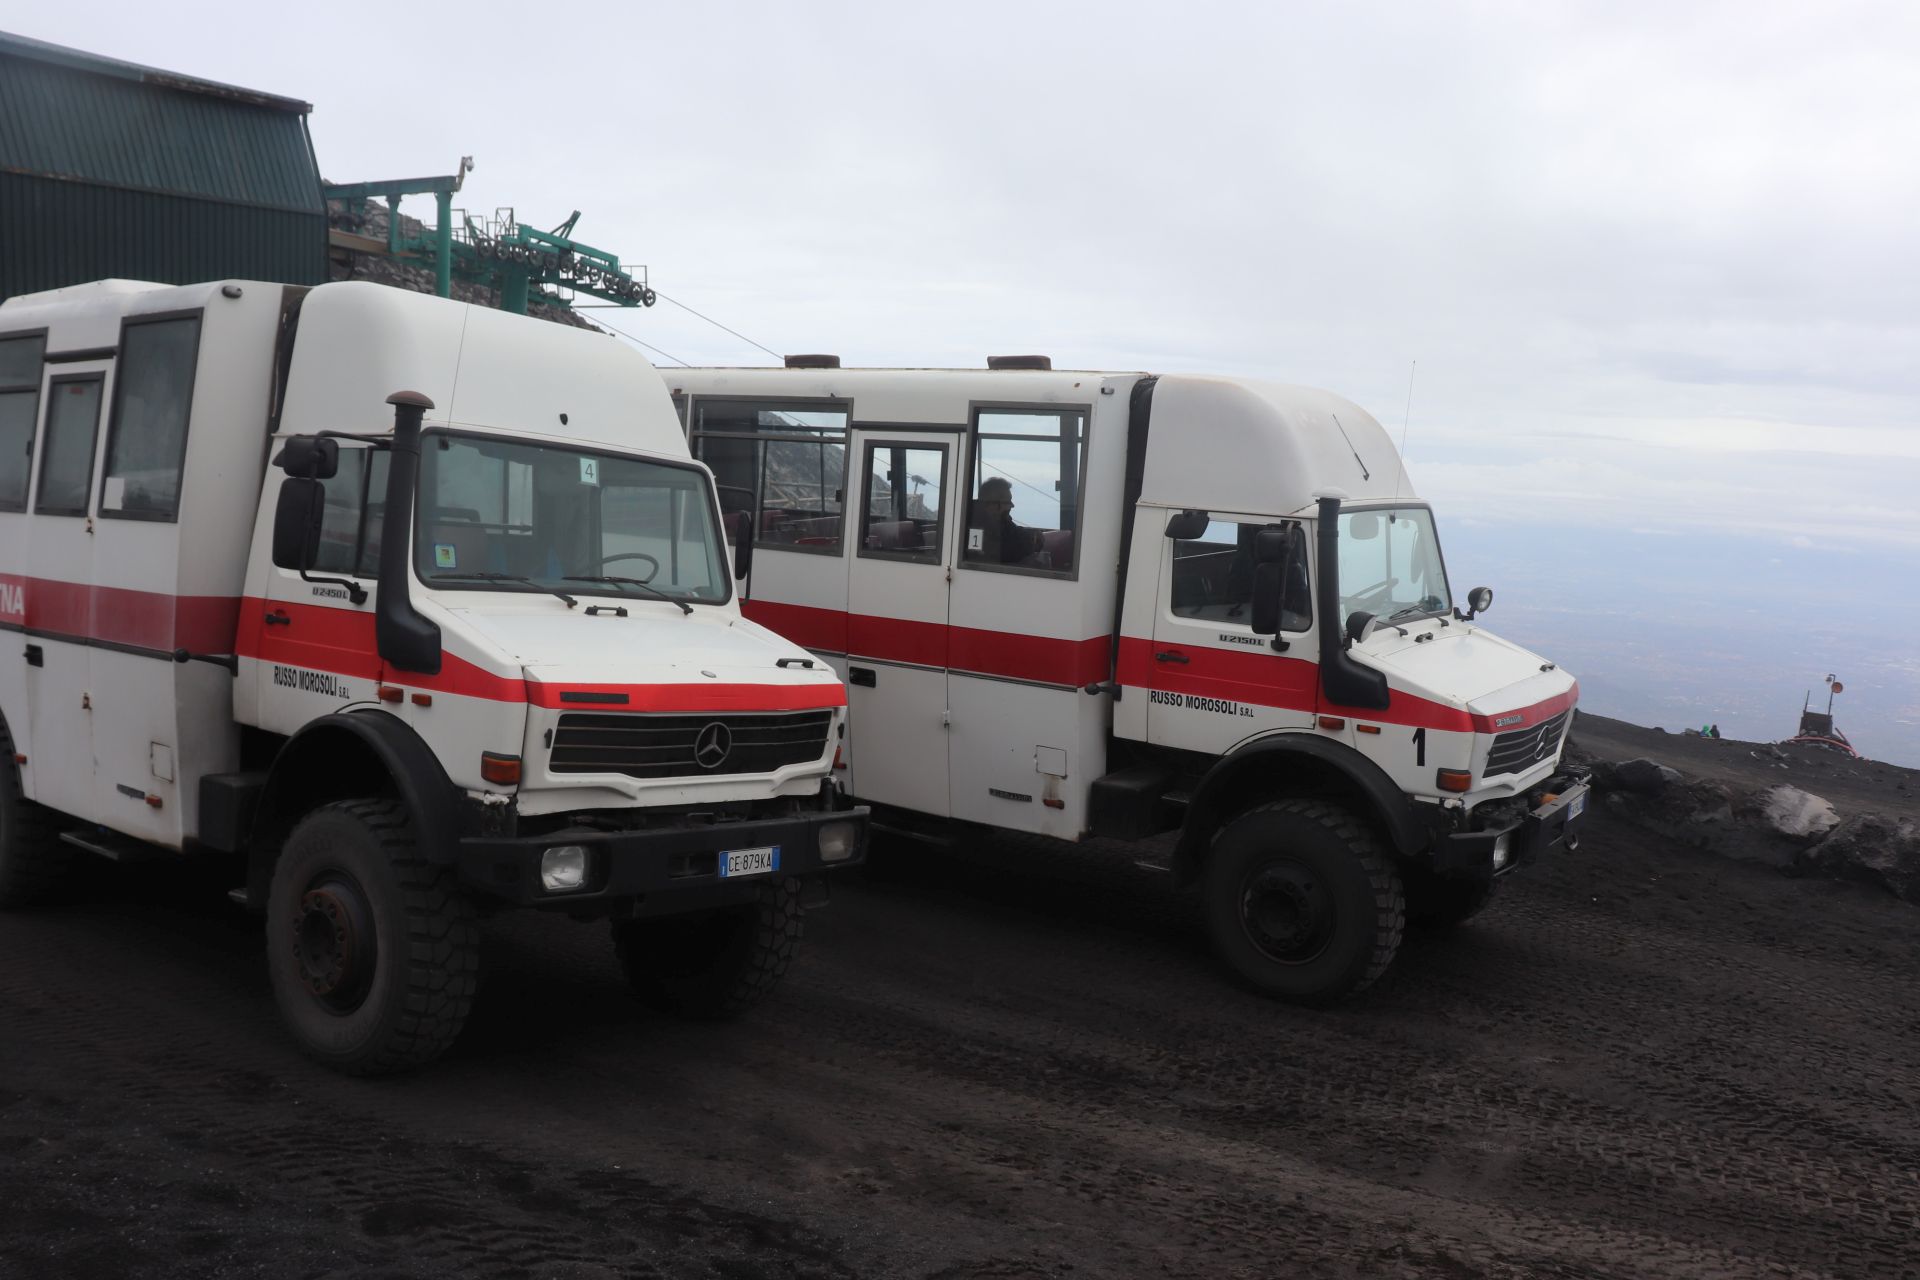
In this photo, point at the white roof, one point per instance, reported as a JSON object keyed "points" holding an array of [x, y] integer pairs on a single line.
{"points": [[360, 342], [1215, 444], [1263, 448]]}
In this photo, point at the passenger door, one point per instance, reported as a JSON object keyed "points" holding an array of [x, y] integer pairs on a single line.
{"points": [[59, 596], [897, 614]]}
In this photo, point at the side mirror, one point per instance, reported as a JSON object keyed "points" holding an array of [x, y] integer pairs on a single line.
{"points": [[1479, 600], [296, 522], [1272, 547], [1360, 625], [743, 548], [309, 458], [1187, 524]]}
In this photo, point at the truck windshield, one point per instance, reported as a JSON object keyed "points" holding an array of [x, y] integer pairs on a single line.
{"points": [[511, 515], [1390, 564]]}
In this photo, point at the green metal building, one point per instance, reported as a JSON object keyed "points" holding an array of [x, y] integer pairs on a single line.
{"points": [[109, 169]]}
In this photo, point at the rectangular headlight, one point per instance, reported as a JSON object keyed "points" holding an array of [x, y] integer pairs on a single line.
{"points": [[1500, 851], [838, 840], [563, 868]]}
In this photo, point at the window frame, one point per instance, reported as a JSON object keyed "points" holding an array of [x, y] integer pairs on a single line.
{"points": [[197, 314], [1305, 550], [977, 407], [417, 524], [939, 549], [800, 404], [364, 454], [93, 445], [38, 388]]}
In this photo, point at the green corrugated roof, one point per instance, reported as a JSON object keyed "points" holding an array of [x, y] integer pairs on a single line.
{"points": [[75, 116]]}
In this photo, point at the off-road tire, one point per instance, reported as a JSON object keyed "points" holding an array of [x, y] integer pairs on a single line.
{"points": [[33, 866], [717, 964], [1336, 864], [426, 945], [1442, 902]]}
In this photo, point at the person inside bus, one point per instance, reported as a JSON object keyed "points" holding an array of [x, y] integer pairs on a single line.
{"points": [[1001, 540]]}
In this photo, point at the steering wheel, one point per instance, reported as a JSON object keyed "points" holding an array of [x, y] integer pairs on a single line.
{"points": [[634, 555]]}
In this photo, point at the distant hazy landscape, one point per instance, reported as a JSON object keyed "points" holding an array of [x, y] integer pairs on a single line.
{"points": [[1679, 629]]}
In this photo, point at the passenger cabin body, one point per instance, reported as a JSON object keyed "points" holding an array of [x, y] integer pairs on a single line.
{"points": [[1040, 586]]}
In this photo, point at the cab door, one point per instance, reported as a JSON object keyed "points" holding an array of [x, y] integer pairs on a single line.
{"points": [[897, 617], [316, 643], [1211, 681]]}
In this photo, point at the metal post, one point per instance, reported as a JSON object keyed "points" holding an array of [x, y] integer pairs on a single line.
{"points": [[393, 225], [513, 291], [443, 267]]}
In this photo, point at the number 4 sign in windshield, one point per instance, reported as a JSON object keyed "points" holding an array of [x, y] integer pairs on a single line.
{"points": [[590, 471]]}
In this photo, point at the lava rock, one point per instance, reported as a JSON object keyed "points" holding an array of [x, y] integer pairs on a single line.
{"points": [[1796, 813], [1869, 849], [1641, 777]]}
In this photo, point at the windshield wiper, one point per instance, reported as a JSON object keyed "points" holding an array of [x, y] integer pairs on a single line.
{"points": [[642, 583], [506, 577]]}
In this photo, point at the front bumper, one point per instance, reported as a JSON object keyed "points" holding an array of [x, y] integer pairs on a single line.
{"points": [[1499, 849], [654, 871]]}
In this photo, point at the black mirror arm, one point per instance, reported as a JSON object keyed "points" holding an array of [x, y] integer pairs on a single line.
{"points": [[371, 441]]}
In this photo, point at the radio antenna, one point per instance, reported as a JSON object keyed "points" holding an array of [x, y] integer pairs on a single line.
{"points": [[1404, 420]]}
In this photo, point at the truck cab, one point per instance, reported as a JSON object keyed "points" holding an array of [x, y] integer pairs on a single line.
{"points": [[1088, 604], [414, 610]]}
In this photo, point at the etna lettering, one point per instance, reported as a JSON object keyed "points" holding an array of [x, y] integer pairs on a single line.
{"points": [[311, 681], [1194, 702], [13, 598]]}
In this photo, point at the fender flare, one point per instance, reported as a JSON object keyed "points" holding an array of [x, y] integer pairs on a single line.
{"points": [[1385, 801], [415, 773]]}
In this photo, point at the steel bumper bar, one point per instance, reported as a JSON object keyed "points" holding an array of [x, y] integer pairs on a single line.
{"points": [[658, 870]]}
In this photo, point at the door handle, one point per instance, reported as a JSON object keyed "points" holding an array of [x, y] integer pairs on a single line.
{"points": [[865, 677], [36, 656], [278, 619], [1168, 655]]}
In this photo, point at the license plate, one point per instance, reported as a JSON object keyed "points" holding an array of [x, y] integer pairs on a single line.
{"points": [[750, 862], [1576, 806]]}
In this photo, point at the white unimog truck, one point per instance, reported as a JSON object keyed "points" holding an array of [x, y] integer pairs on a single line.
{"points": [[1118, 605], [418, 607]]}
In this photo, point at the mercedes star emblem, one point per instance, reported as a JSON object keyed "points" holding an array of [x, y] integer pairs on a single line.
{"points": [[711, 747]]}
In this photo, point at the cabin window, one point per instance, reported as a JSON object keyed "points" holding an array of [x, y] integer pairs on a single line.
{"points": [[1029, 461], [901, 517], [781, 466], [20, 361], [1212, 578], [152, 400], [356, 500], [66, 456]]}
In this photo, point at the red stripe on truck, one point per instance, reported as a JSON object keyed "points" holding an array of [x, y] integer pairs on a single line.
{"points": [[967, 650], [1293, 684], [118, 615], [342, 642]]}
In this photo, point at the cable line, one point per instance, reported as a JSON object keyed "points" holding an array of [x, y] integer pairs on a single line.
{"points": [[716, 324]]}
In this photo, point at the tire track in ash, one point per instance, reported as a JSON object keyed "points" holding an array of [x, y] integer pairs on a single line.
{"points": [[1642, 1150]]}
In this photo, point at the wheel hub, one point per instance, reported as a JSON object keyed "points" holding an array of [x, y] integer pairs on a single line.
{"points": [[1286, 912], [333, 943]]}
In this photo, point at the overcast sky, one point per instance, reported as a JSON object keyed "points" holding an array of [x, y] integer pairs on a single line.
{"points": [[1657, 263]]}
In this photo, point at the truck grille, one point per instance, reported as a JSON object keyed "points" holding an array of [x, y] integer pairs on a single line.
{"points": [[674, 746], [1520, 750]]}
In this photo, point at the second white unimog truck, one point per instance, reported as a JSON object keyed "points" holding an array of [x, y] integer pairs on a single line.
{"points": [[1111, 604], [418, 608]]}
